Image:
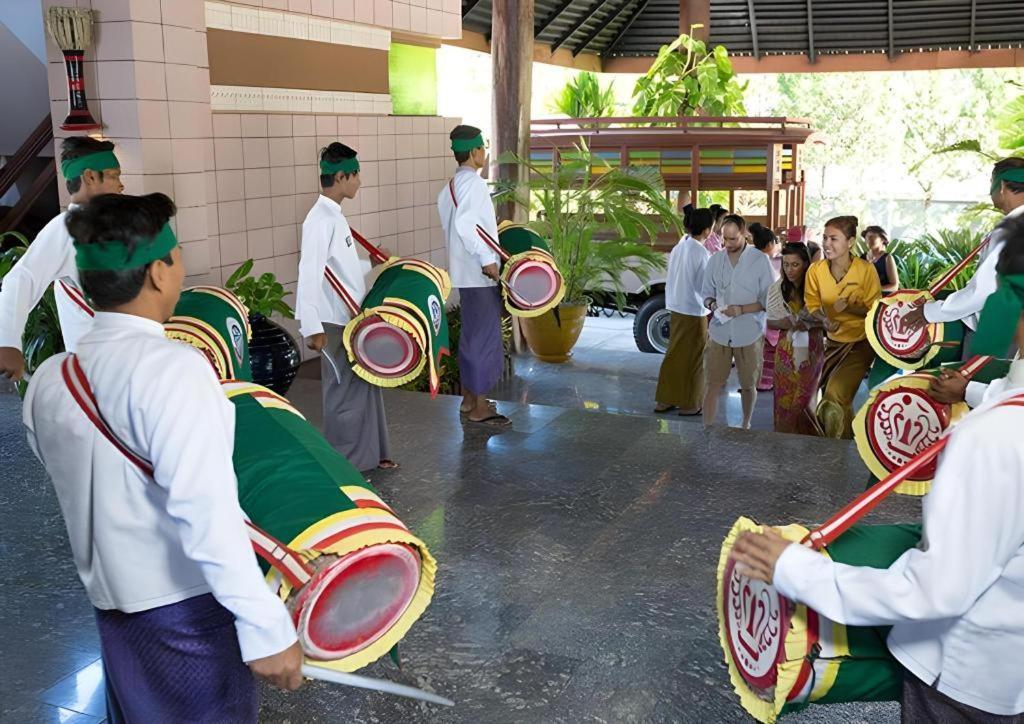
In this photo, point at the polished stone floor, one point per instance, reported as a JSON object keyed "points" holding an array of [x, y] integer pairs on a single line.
{"points": [[577, 553]]}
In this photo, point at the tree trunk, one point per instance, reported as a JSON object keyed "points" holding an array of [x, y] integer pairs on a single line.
{"points": [[512, 63]]}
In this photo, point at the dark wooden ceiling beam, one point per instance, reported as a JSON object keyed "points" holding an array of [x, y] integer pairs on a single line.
{"points": [[974, 11], [753, 28], [892, 33], [625, 28], [612, 17], [555, 14], [584, 17], [810, 31]]}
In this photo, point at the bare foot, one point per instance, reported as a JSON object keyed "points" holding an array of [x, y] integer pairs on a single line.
{"points": [[388, 465]]}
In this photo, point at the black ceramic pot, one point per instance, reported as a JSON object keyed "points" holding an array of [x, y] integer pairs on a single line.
{"points": [[273, 354]]}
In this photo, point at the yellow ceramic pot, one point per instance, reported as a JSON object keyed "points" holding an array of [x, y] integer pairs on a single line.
{"points": [[551, 339]]}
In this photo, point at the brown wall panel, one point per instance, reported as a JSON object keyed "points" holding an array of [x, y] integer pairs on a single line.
{"points": [[265, 61]]}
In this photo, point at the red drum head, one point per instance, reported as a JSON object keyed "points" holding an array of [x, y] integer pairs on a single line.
{"points": [[902, 422], [532, 284], [353, 602], [756, 624], [899, 341], [384, 349]]}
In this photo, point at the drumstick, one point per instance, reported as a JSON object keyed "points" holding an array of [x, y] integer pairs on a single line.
{"points": [[365, 682]]}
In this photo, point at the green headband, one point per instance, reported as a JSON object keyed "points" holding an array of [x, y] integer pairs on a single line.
{"points": [[1013, 175], [999, 317], [461, 145], [113, 255], [346, 165], [99, 161]]}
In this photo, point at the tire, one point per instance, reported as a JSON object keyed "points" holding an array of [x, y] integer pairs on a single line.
{"points": [[650, 326]]}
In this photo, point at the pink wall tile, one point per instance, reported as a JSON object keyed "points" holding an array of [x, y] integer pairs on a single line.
{"points": [[150, 81], [111, 10], [185, 13], [261, 243], [451, 26], [386, 126], [406, 220], [369, 174], [282, 210], [275, 4], [279, 125], [190, 191], [323, 8], [190, 120], [404, 146], [230, 187], [191, 225], [306, 180], [352, 208], [345, 9], [369, 225], [388, 223], [286, 268], [300, 6], [254, 125], [388, 198], [400, 17], [418, 20], [366, 125], [255, 153], [213, 245], [231, 215], [303, 203], [227, 125], [348, 126], [286, 239], [403, 124], [213, 226], [188, 155], [187, 83], [421, 170], [195, 255], [382, 13], [183, 45], [114, 42], [435, 23], [327, 126], [304, 125], [304, 150], [120, 118], [406, 195], [228, 152], [282, 152], [158, 183], [369, 199], [386, 172], [282, 183], [257, 214], [386, 147], [257, 183], [233, 249], [406, 245], [424, 193], [211, 187], [424, 216], [115, 80]]}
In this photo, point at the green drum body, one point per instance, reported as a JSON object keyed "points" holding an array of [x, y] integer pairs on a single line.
{"points": [[531, 282], [351, 573], [783, 656], [214, 321], [402, 327]]}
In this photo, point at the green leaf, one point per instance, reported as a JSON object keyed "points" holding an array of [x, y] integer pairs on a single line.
{"points": [[240, 272]]}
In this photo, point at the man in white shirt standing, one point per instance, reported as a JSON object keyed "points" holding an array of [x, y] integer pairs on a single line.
{"points": [[332, 285], [471, 228], [1007, 194], [89, 168], [955, 603], [137, 437], [681, 378], [736, 284]]}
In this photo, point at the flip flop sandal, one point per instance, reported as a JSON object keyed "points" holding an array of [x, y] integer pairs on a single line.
{"points": [[490, 403], [664, 410], [492, 421], [388, 465], [692, 414]]}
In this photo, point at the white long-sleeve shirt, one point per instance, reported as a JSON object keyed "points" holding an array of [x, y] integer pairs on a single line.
{"points": [[50, 259], [745, 283], [465, 207], [327, 245], [965, 304], [141, 542], [956, 604], [685, 278]]}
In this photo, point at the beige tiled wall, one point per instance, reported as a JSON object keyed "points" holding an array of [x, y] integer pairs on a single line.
{"points": [[265, 180], [437, 18]]}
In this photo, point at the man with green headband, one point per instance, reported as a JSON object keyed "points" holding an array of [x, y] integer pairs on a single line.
{"points": [[956, 602], [90, 169], [137, 438], [1007, 192], [332, 285], [471, 229]]}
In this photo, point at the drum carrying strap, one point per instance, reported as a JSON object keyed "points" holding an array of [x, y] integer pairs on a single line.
{"points": [[277, 554], [960, 266], [480, 231], [373, 251], [860, 506], [75, 295]]}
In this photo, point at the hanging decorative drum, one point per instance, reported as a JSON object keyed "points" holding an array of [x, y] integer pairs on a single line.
{"points": [[71, 30]]}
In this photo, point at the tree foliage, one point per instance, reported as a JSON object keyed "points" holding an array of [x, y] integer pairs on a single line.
{"points": [[583, 97]]}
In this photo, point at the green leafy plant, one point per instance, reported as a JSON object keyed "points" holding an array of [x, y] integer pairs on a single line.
{"points": [[262, 295], [583, 97], [600, 221], [924, 260], [42, 337], [687, 79]]}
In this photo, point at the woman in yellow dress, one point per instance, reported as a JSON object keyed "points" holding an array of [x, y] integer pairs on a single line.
{"points": [[840, 289]]}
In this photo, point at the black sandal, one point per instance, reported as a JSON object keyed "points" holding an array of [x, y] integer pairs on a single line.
{"points": [[495, 420]]}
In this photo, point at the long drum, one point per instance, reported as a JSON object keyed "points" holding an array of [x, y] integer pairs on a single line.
{"points": [[216, 322], [531, 282], [402, 327], [352, 574], [908, 349], [900, 419], [783, 656]]}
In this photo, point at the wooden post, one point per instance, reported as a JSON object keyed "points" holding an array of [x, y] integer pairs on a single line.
{"points": [[695, 12], [512, 64]]}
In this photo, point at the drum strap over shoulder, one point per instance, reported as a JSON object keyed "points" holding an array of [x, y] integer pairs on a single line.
{"points": [[75, 295], [277, 554], [866, 501]]}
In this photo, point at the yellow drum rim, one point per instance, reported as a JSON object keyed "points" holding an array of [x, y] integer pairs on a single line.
{"points": [[935, 331]]}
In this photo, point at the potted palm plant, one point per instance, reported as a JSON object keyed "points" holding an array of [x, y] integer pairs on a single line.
{"points": [[273, 353], [600, 223]]}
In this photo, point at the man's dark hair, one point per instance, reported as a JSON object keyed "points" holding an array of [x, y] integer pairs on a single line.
{"points": [[463, 133], [763, 236], [698, 221], [127, 219], [334, 153], [1005, 165], [74, 147], [1011, 258], [735, 219]]}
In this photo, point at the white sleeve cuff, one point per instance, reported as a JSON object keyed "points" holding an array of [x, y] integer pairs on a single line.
{"points": [[9, 339], [974, 395], [275, 637], [307, 328], [933, 312], [791, 570]]}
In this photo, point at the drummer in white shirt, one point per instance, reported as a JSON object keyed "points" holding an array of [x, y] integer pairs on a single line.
{"points": [[90, 169], [147, 490], [1007, 194], [956, 604]]}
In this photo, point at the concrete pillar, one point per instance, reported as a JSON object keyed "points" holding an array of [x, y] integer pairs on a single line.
{"points": [[512, 63]]}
